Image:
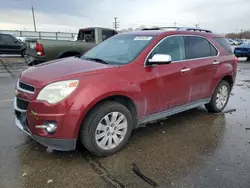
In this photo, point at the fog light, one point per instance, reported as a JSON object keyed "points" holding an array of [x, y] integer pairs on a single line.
{"points": [[51, 127]]}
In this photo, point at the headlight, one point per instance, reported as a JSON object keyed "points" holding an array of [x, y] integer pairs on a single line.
{"points": [[56, 92]]}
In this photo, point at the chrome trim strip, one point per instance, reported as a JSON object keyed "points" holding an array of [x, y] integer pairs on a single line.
{"points": [[185, 70], [19, 125], [23, 90], [181, 35], [172, 111]]}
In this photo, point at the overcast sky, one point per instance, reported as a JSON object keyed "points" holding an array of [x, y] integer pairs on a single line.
{"points": [[69, 15]]}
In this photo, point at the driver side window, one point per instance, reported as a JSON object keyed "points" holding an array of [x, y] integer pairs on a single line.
{"points": [[173, 46]]}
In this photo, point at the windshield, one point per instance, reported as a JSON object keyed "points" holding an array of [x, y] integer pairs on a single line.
{"points": [[120, 49]]}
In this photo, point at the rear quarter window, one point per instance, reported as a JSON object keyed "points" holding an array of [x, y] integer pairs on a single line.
{"points": [[198, 47], [222, 41]]}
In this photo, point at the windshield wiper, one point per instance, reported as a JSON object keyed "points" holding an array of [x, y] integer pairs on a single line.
{"points": [[97, 60]]}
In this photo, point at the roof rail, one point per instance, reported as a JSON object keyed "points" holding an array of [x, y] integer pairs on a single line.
{"points": [[178, 28]]}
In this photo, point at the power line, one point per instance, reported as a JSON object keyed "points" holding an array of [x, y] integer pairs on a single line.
{"points": [[116, 23]]}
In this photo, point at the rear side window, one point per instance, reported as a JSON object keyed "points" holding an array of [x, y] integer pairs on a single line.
{"points": [[199, 47], [214, 52], [107, 34], [222, 41], [87, 35]]}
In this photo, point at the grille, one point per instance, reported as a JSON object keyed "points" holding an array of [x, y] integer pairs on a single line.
{"points": [[26, 87], [22, 104]]}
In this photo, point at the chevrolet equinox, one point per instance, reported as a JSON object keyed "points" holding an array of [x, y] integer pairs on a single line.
{"points": [[126, 81]]}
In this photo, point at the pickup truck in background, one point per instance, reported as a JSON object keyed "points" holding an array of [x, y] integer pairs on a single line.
{"points": [[42, 50]]}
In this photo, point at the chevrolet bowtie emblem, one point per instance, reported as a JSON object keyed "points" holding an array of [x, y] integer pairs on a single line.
{"points": [[16, 92]]}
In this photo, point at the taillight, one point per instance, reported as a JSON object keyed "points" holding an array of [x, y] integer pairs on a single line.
{"points": [[39, 49], [236, 60]]}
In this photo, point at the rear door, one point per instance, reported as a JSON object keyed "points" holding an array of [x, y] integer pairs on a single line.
{"points": [[204, 60]]}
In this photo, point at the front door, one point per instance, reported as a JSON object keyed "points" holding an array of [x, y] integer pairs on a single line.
{"points": [[203, 63], [174, 78]]}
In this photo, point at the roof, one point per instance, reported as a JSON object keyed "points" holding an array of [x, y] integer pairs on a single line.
{"points": [[162, 32], [96, 28]]}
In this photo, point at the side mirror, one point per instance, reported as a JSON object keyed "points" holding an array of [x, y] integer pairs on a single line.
{"points": [[159, 59]]}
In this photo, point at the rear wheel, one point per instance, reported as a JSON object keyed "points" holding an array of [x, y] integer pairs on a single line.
{"points": [[106, 129], [220, 98]]}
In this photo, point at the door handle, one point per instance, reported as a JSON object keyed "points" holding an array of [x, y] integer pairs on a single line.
{"points": [[185, 70], [216, 62]]}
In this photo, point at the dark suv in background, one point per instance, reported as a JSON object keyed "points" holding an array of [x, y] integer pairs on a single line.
{"points": [[11, 45]]}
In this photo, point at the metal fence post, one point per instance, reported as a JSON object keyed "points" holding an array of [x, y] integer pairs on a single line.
{"points": [[40, 35], [20, 33], [56, 35]]}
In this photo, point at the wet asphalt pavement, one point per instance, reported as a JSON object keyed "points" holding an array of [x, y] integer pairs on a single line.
{"points": [[191, 149]]}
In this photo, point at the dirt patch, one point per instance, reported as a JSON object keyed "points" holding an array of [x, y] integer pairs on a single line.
{"points": [[239, 84]]}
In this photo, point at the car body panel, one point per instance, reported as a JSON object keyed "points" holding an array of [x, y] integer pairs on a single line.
{"points": [[242, 50], [156, 90], [77, 68]]}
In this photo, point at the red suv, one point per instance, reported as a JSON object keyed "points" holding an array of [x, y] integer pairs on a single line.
{"points": [[128, 80]]}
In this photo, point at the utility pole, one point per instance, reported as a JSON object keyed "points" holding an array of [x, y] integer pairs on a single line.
{"points": [[33, 14], [175, 24], [116, 23], [241, 33]]}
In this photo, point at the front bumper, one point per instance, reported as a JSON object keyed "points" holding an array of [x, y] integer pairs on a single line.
{"points": [[53, 143], [64, 139]]}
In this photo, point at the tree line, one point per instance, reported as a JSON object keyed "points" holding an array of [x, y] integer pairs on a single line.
{"points": [[240, 35]]}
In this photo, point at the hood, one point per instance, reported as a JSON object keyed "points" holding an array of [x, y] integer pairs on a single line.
{"points": [[62, 69]]}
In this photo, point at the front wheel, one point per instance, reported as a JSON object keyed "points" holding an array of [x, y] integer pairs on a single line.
{"points": [[106, 128], [23, 53], [220, 98]]}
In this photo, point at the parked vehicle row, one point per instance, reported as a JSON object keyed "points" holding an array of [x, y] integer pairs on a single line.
{"points": [[11, 45], [237, 41], [243, 51], [126, 81], [42, 50]]}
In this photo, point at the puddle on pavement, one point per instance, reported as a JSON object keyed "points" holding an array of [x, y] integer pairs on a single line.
{"points": [[167, 152]]}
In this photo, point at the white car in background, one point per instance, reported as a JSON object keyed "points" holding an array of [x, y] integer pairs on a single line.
{"points": [[231, 41], [21, 38]]}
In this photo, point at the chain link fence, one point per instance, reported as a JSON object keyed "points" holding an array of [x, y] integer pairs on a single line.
{"points": [[41, 35]]}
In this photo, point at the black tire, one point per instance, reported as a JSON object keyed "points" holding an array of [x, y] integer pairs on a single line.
{"points": [[248, 58], [211, 106], [23, 53], [89, 126]]}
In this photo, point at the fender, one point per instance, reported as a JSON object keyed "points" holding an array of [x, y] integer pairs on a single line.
{"points": [[223, 70], [90, 96], [64, 52]]}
